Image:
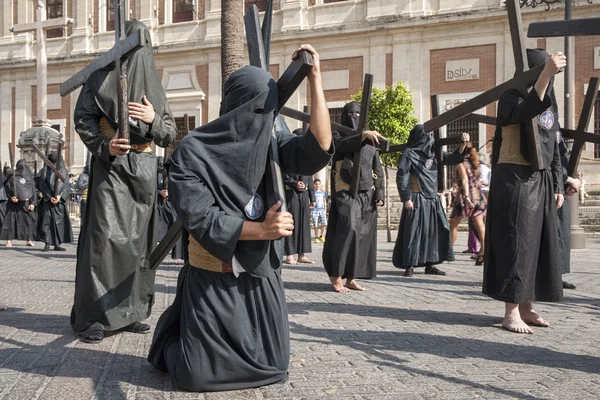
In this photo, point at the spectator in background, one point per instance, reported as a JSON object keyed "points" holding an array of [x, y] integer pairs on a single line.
{"points": [[485, 176], [582, 193], [319, 213]]}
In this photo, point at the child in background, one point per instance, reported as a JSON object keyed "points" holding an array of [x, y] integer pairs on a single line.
{"points": [[319, 217]]}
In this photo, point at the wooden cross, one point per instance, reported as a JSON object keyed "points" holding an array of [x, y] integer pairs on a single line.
{"points": [[39, 27], [286, 85], [572, 27], [579, 135], [50, 164], [523, 77]]}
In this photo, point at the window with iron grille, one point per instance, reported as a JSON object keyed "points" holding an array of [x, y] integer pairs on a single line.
{"points": [[183, 10], [181, 130], [457, 128], [597, 126], [110, 16], [335, 114], [54, 9]]}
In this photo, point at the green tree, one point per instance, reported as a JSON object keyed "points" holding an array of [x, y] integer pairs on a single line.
{"points": [[390, 114]]}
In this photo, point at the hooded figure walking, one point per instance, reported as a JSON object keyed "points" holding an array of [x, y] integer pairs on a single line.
{"points": [[20, 222], [522, 260], [424, 234], [114, 286], [350, 250], [55, 224]]}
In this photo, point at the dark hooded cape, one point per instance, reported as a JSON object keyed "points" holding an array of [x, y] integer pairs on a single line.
{"points": [[522, 260], [19, 222], [114, 285], [423, 235], [350, 248], [225, 332], [55, 225]]}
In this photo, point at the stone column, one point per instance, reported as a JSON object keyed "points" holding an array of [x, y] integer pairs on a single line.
{"points": [[5, 118]]}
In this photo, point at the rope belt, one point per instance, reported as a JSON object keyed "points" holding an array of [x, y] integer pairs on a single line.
{"points": [[202, 259], [108, 131]]}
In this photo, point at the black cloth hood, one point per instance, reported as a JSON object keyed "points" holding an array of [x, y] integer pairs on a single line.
{"points": [[142, 80], [50, 177], [351, 121], [24, 181], [230, 152], [419, 159]]}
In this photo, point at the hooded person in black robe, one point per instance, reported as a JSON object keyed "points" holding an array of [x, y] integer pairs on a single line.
{"points": [[114, 287], [350, 250], [300, 196], [166, 213], [522, 260], [55, 224], [3, 201], [21, 218], [424, 238], [82, 185], [227, 327]]}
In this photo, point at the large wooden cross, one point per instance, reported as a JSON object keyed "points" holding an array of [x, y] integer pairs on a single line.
{"points": [[39, 27], [49, 164], [287, 84], [572, 27]]}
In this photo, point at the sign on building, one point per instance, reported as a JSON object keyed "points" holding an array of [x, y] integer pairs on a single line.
{"points": [[462, 70]]}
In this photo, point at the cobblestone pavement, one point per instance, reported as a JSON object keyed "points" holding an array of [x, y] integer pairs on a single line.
{"points": [[404, 338]]}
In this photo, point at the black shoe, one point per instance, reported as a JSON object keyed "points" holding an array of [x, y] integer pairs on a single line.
{"points": [[58, 248], [431, 270], [567, 285], [409, 272], [94, 334], [480, 260], [46, 248]]}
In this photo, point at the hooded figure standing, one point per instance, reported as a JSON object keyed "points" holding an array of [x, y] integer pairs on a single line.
{"points": [[350, 250], [3, 201], [166, 213], [83, 182], [114, 287], [423, 235], [522, 260], [21, 220], [55, 225], [228, 327]]}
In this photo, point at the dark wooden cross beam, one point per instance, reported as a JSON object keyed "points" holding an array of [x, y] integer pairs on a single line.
{"points": [[287, 85], [363, 123], [49, 163], [579, 135], [57, 166], [523, 77], [572, 27]]}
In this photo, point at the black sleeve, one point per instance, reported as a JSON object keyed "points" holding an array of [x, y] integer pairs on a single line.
{"points": [[196, 207], [454, 158], [65, 192], [557, 171], [87, 116], [302, 155], [163, 128], [403, 178], [310, 187], [347, 144], [290, 180], [380, 180], [512, 109]]}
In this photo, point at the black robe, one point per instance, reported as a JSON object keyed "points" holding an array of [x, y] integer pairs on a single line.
{"points": [[224, 332], [298, 204], [19, 222], [166, 213], [423, 235], [114, 285], [55, 225], [564, 213], [522, 260], [3, 201], [82, 185], [350, 249]]}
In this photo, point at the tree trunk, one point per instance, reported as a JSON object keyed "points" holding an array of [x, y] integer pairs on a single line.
{"points": [[232, 37], [387, 206]]}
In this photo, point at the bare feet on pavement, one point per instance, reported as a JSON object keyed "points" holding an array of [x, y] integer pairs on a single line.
{"points": [[2, 307], [529, 316], [338, 285], [352, 284], [516, 325]]}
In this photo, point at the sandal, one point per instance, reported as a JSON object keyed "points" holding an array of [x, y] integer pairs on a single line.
{"points": [[94, 334], [431, 270], [480, 260], [138, 327]]}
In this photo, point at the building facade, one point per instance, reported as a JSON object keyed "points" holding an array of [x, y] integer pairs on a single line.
{"points": [[449, 48]]}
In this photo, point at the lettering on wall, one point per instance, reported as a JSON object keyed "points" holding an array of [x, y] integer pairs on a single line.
{"points": [[462, 70], [596, 57]]}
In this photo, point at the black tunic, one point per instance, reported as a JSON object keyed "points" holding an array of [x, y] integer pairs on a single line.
{"points": [[165, 211], [564, 213], [114, 285], [55, 222], [522, 260], [350, 249], [423, 235], [3, 200], [298, 203], [19, 222], [225, 332]]}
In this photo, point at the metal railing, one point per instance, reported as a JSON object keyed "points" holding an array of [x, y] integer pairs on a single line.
{"points": [[73, 206]]}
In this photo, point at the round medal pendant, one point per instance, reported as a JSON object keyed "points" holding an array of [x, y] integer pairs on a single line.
{"points": [[22, 181], [547, 119], [255, 207], [429, 163]]}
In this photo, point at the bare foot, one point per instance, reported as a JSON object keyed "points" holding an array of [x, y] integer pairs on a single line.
{"points": [[290, 261], [516, 325], [9, 244], [532, 318], [338, 285], [305, 260], [3, 307], [30, 244], [354, 286]]}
